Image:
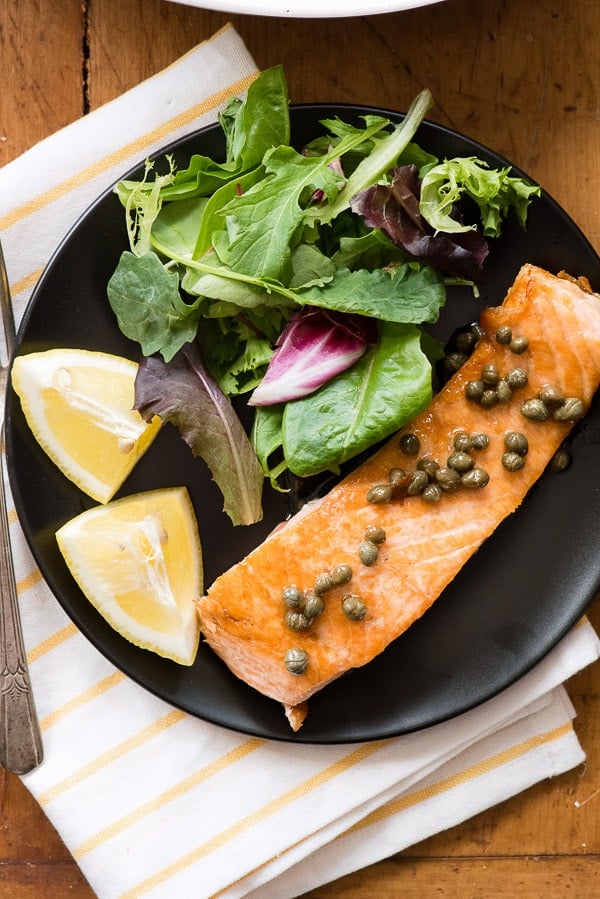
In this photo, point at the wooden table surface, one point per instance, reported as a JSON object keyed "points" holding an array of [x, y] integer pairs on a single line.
{"points": [[521, 77]]}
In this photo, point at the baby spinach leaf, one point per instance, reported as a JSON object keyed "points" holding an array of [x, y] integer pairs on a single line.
{"points": [[185, 394], [145, 298], [357, 409], [266, 439]]}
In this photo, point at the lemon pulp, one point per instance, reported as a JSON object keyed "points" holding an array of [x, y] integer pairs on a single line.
{"points": [[79, 406], [139, 562]]}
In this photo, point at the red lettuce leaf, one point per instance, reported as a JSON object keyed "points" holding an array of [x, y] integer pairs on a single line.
{"points": [[394, 209], [315, 345], [184, 393]]}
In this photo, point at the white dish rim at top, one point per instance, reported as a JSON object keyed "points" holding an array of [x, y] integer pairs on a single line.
{"points": [[308, 9]]}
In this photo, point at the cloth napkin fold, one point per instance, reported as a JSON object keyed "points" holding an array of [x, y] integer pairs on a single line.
{"points": [[151, 801]]}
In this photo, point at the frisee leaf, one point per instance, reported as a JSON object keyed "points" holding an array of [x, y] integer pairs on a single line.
{"points": [[186, 395], [494, 191]]}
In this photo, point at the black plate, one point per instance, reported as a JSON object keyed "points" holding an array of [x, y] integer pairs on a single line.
{"points": [[509, 605]]}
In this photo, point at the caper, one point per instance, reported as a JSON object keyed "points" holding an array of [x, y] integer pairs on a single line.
{"points": [[465, 341], [375, 534], [296, 661], [475, 478], [380, 493], [448, 479], [480, 441], [313, 606], [462, 442], [504, 334], [353, 607], [571, 410], [551, 395], [503, 391], [410, 444], [368, 552], [513, 461], [341, 574], [396, 476], [418, 482], [489, 398], [477, 330], [292, 596], [429, 466], [517, 377], [518, 345], [515, 442], [535, 409], [560, 461], [453, 361], [490, 374], [323, 583], [432, 493], [296, 621], [460, 462], [474, 390]]}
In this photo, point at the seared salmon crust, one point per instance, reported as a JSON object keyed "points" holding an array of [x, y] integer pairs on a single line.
{"points": [[242, 615]]}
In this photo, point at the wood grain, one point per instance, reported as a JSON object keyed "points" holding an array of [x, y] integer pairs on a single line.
{"points": [[522, 78]]}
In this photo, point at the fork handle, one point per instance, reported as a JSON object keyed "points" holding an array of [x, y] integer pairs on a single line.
{"points": [[20, 738]]}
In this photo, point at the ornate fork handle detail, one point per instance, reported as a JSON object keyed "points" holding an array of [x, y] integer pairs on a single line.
{"points": [[20, 737]]}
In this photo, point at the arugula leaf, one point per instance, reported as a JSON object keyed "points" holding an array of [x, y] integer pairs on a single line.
{"points": [[213, 218], [145, 298], [185, 394], [262, 223], [355, 410], [251, 128], [382, 157], [494, 191], [408, 294]]}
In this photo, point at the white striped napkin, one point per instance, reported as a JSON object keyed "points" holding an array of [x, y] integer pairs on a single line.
{"points": [[152, 802]]}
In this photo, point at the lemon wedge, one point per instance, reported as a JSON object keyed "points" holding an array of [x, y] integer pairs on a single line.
{"points": [[79, 406], [139, 562]]}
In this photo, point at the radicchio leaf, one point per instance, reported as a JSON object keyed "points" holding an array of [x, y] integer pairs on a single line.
{"points": [[184, 393], [314, 346], [394, 209]]}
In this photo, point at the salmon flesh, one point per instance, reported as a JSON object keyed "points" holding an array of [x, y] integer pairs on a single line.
{"points": [[426, 544]]}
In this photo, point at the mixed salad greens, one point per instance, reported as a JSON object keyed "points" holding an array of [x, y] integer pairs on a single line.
{"points": [[300, 279]]}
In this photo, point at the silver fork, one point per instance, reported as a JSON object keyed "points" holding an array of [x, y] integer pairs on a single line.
{"points": [[20, 737]]}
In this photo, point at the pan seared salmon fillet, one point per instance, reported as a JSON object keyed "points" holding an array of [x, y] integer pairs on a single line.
{"points": [[426, 544]]}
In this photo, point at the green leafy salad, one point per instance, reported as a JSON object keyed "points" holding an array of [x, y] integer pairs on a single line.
{"points": [[299, 280]]}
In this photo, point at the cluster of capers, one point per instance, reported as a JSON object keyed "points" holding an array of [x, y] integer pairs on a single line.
{"points": [[304, 606], [492, 388], [551, 402], [397, 477], [368, 549], [430, 480], [459, 349], [517, 345], [516, 448]]}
